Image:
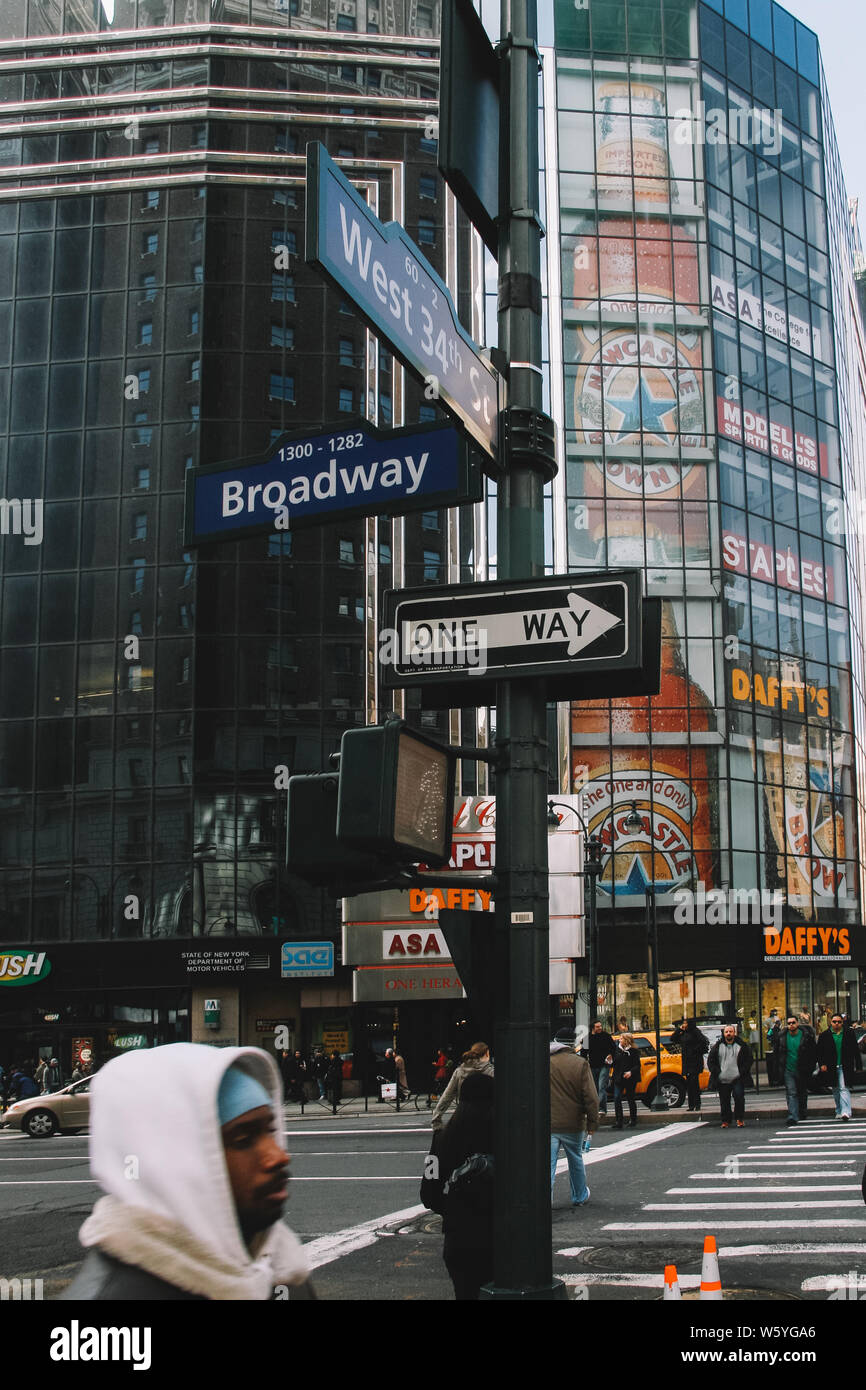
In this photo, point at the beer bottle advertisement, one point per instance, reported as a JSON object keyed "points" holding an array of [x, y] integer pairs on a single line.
{"points": [[635, 396], [673, 787]]}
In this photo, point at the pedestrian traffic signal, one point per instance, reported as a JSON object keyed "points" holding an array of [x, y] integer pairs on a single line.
{"points": [[390, 806], [396, 794], [312, 849]]}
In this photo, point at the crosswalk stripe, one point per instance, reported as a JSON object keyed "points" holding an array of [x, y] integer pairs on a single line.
{"points": [[768, 1176], [829, 1187], [741, 1225], [836, 1203]]}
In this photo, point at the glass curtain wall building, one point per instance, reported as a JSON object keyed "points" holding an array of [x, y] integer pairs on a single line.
{"points": [[156, 314], [704, 368]]}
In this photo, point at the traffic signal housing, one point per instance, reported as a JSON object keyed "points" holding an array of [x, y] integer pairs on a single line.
{"points": [[396, 794], [390, 806]]}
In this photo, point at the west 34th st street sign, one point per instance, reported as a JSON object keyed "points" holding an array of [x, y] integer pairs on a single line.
{"points": [[457, 642], [400, 295]]}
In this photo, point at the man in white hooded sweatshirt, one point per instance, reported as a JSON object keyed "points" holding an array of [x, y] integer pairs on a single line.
{"points": [[185, 1141]]}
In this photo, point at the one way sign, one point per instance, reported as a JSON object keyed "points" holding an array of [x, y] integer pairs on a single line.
{"points": [[569, 629]]}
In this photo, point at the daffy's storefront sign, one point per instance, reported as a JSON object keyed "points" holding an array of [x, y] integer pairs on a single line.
{"points": [[19, 967], [793, 944]]}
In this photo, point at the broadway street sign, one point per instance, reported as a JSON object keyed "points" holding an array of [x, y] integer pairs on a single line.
{"points": [[457, 642], [400, 295], [350, 469]]}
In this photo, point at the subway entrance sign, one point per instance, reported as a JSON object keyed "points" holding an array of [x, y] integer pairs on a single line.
{"points": [[575, 631], [350, 469], [397, 291]]}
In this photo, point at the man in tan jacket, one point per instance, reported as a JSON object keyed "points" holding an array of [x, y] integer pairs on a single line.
{"points": [[573, 1114]]}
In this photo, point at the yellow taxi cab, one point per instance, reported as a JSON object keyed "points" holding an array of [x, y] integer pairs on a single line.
{"points": [[673, 1086]]}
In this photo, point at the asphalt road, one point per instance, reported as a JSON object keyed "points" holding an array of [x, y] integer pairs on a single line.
{"points": [[784, 1204]]}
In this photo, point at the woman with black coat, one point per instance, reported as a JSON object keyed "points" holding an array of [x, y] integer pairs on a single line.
{"points": [[467, 1202], [626, 1075]]}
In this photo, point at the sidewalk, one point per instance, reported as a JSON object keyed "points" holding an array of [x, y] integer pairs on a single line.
{"points": [[768, 1103]]}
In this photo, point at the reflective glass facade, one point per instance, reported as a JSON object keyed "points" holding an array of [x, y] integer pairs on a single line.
{"points": [[156, 314], [712, 436]]}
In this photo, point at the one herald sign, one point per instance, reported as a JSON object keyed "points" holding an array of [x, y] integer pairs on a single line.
{"points": [[400, 295], [459, 641], [347, 470]]}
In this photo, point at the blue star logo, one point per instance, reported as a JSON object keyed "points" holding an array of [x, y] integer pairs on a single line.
{"points": [[641, 410]]}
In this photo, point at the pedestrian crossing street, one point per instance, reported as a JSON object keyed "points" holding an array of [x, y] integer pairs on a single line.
{"points": [[801, 1180]]}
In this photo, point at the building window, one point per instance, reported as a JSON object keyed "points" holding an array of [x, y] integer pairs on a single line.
{"points": [[347, 398], [194, 322], [185, 670], [283, 287], [151, 199], [143, 381], [432, 563], [428, 146], [346, 24], [190, 568], [347, 552], [150, 244], [347, 353], [286, 197], [184, 614], [384, 553], [424, 18], [199, 136], [136, 772], [282, 388], [345, 153], [280, 543], [374, 76], [151, 147], [287, 238], [144, 433], [148, 285], [426, 231], [286, 141], [386, 410], [137, 577], [135, 622], [139, 527], [430, 521], [345, 307], [197, 229], [195, 369], [142, 479], [197, 272], [349, 75], [427, 186], [426, 413], [281, 336], [145, 334]]}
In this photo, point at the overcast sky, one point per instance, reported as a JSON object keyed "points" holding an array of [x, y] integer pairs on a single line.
{"points": [[841, 29]]}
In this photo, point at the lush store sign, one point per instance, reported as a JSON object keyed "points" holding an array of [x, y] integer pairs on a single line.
{"points": [[19, 967]]}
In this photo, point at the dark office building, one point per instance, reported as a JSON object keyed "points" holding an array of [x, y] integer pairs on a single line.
{"points": [[156, 314]]}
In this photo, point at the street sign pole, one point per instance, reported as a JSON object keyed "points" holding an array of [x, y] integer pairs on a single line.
{"points": [[523, 1234]]}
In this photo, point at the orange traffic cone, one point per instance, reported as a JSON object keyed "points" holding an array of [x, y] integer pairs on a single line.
{"points": [[672, 1283], [711, 1284]]}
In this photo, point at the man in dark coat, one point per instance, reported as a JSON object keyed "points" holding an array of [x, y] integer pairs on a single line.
{"points": [[838, 1061], [730, 1062], [600, 1048], [795, 1061], [694, 1047]]}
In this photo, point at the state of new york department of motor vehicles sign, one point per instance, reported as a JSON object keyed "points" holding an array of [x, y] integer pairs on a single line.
{"points": [[458, 642]]}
